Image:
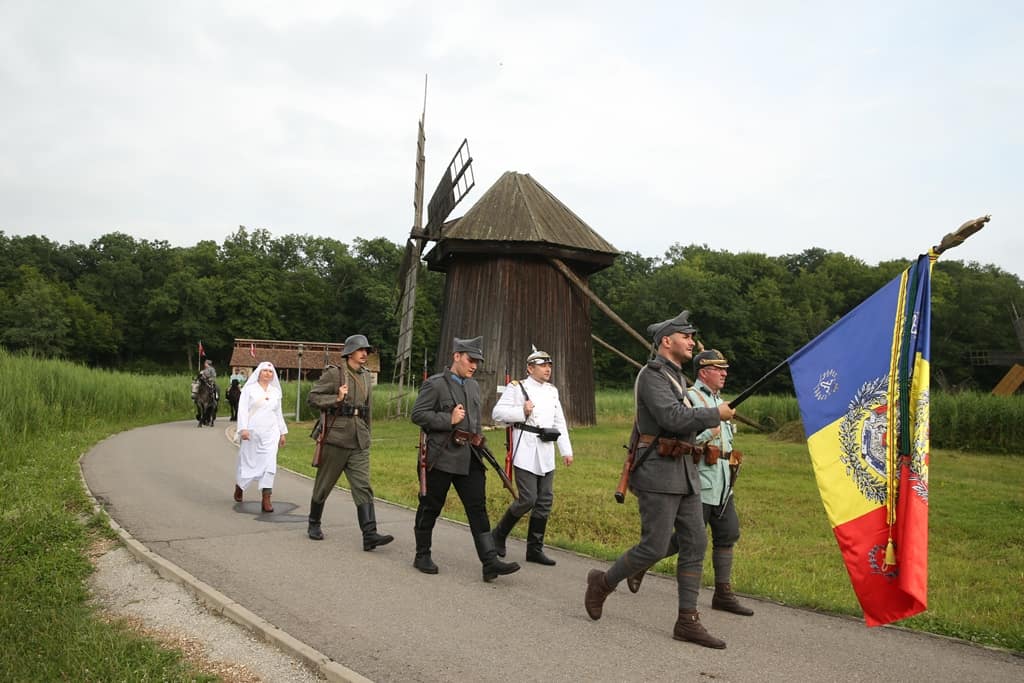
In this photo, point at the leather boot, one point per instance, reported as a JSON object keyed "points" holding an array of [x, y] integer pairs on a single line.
{"points": [[535, 542], [689, 628], [488, 554], [597, 591], [501, 532], [422, 560], [368, 524], [316, 510], [634, 581], [265, 503], [725, 600]]}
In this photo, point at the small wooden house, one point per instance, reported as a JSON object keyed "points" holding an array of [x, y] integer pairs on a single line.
{"points": [[285, 355]]}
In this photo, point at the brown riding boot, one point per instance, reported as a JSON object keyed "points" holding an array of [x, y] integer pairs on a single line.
{"points": [[265, 503], [597, 591], [689, 628], [724, 599], [634, 581]]}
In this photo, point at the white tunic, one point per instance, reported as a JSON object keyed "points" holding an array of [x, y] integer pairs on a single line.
{"points": [[532, 454], [259, 411]]}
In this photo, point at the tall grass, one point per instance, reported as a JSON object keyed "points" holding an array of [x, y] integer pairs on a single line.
{"points": [[50, 413]]}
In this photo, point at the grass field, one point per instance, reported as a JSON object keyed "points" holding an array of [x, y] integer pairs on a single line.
{"points": [[52, 412]]}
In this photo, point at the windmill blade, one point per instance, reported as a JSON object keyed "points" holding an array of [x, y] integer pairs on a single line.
{"points": [[410, 260]]}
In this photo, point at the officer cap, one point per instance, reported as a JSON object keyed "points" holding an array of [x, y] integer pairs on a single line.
{"points": [[538, 357], [680, 323], [474, 347], [712, 358], [354, 343]]}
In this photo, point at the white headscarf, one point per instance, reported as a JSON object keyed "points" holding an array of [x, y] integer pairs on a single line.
{"points": [[254, 376]]}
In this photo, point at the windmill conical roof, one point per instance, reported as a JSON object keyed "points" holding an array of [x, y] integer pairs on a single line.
{"points": [[519, 209]]}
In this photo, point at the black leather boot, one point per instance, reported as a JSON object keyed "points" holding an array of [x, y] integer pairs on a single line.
{"points": [[492, 566], [535, 542], [422, 560], [368, 524], [501, 532], [634, 581], [316, 510]]}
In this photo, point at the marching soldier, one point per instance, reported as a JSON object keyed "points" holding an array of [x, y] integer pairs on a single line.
{"points": [[532, 407], [343, 395], [710, 369], [665, 480], [447, 409]]}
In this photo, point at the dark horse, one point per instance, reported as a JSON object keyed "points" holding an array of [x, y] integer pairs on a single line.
{"points": [[204, 395]]}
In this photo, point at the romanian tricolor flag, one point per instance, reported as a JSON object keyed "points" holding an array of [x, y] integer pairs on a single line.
{"points": [[862, 386]]}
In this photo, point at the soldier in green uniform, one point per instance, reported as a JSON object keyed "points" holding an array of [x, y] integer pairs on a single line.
{"points": [[710, 369], [343, 395]]}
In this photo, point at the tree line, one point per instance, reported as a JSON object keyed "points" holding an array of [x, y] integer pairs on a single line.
{"points": [[143, 305]]}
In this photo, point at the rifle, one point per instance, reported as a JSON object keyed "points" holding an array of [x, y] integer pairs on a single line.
{"points": [[320, 431], [422, 463], [627, 467], [478, 445], [508, 436]]}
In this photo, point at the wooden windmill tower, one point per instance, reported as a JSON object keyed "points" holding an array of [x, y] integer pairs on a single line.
{"points": [[456, 183], [516, 267]]}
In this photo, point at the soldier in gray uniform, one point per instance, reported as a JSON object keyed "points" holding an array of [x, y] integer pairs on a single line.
{"points": [[665, 480], [343, 395], [447, 409]]}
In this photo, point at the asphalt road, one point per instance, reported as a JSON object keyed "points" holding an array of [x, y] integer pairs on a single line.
{"points": [[170, 486]]}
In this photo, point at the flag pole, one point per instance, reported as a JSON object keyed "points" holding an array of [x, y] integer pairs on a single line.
{"points": [[952, 239]]}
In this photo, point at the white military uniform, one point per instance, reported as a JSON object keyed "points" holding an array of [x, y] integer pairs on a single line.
{"points": [[532, 454]]}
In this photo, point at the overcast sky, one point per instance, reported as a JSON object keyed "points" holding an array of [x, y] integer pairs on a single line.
{"points": [[870, 128]]}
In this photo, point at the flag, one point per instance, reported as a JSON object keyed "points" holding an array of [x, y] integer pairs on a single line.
{"points": [[252, 350], [201, 352], [862, 386]]}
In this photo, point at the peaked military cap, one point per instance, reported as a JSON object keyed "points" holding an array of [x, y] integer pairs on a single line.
{"points": [[538, 357], [474, 347], [680, 323], [712, 358], [354, 343]]}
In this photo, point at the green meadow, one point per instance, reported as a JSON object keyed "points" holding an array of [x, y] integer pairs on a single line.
{"points": [[52, 412]]}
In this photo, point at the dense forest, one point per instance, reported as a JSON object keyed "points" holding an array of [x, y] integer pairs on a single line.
{"points": [[142, 305]]}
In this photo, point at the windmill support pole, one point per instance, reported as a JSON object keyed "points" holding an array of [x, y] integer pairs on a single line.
{"points": [[575, 280], [614, 350]]}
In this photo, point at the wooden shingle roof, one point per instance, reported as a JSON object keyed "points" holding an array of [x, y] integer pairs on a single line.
{"points": [[519, 215]]}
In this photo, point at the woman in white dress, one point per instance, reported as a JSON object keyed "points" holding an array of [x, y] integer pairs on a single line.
{"points": [[261, 430]]}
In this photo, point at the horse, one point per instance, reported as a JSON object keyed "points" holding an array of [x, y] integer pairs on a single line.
{"points": [[204, 395]]}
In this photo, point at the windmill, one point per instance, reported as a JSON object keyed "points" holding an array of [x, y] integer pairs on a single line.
{"points": [[455, 184], [1014, 378]]}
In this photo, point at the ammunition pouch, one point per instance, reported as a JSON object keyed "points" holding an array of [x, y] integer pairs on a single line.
{"points": [[545, 433], [711, 455], [461, 438], [669, 447], [346, 410]]}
